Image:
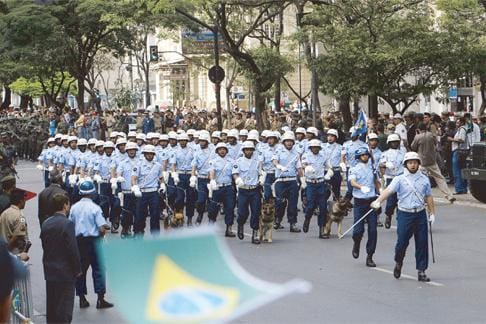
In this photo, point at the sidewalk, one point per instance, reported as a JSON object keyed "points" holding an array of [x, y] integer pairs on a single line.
{"points": [[462, 200]]}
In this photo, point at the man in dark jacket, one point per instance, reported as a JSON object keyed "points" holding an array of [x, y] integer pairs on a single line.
{"points": [[46, 207], [62, 264]]}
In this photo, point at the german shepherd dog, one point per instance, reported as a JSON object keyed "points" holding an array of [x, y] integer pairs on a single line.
{"points": [[267, 219], [174, 221], [336, 211]]}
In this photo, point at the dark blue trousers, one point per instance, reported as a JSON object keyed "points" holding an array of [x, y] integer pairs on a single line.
{"points": [[150, 201], [129, 211], [186, 196], [110, 205], [361, 207], [415, 224], [317, 196], [335, 184], [47, 181], [349, 190], [89, 257], [226, 196], [202, 194], [171, 192], [267, 187], [391, 201], [286, 191], [249, 201]]}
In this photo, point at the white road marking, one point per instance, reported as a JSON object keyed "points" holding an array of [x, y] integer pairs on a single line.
{"points": [[432, 283]]}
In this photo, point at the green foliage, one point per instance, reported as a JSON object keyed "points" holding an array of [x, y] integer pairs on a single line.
{"points": [[24, 87]]}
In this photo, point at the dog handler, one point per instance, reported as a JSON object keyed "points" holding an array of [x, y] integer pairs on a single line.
{"points": [[414, 192]]}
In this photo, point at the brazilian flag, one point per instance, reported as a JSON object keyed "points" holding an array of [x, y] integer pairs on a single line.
{"points": [[189, 276]]}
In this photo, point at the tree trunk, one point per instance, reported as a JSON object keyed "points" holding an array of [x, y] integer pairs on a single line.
{"points": [[345, 110], [24, 101], [373, 106], [147, 86], [260, 109], [80, 95], [482, 89], [7, 99], [277, 98]]}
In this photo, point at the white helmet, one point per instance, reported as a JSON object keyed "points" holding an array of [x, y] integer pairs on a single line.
{"points": [[51, 140], [224, 131], [92, 141], [156, 135], [122, 134], [150, 135], [141, 136], [233, 133], [172, 135], [81, 142], [191, 132], [243, 132], [164, 137], [411, 156], [180, 131], [217, 134], [220, 145], [372, 136], [109, 144], [113, 134], [121, 141], [273, 134], [254, 132], [315, 143], [393, 138], [333, 132], [183, 137], [149, 148], [313, 130], [300, 130], [132, 134], [253, 137], [58, 136], [100, 143], [285, 129], [265, 133], [197, 134], [248, 145], [288, 136], [64, 137], [204, 137], [397, 116], [131, 146], [72, 138]]}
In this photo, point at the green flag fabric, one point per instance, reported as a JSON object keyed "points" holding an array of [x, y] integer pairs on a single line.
{"points": [[187, 276]]}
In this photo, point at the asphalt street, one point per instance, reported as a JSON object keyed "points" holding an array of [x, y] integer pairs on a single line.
{"points": [[343, 289]]}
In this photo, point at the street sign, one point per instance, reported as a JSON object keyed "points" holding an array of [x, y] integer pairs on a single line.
{"points": [[453, 93], [216, 74], [201, 42]]}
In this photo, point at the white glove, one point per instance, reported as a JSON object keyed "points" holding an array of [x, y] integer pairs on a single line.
{"points": [[175, 177], [72, 179], [114, 183], [239, 182], [328, 175], [309, 170], [262, 178], [390, 165], [431, 219], [303, 184], [192, 181], [213, 184], [375, 204], [343, 166], [162, 188], [282, 168], [120, 179], [40, 167], [210, 190], [97, 178], [136, 191], [365, 189], [51, 168], [165, 175]]}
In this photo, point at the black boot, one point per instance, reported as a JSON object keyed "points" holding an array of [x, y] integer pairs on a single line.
{"points": [[357, 242], [322, 233], [254, 237], [397, 272], [102, 303], [369, 261], [305, 227], [83, 302], [229, 232], [294, 228], [199, 219], [189, 222], [387, 221], [241, 234], [423, 277]]}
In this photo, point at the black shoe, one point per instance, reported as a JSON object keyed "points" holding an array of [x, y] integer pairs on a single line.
{"points": [[423, 277], [322, 234], [278, 226], [397, 272], [294, 229], [355, 251], [460, 193], [452, 199], [369, 261], [379, 224], [229, 232], [102, 303], [199, 219], [241, 234], [254, 237], [305, 227], [189, 222], [83, 302], [388, 221]]}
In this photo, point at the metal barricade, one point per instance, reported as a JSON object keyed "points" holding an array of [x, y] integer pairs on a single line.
{"points": [[22, 302]]}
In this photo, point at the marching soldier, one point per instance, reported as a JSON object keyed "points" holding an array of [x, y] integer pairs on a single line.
{"points": [[268, 168], [348, 158], [333, 150], [221, 188], [315, 162], [246, 175], [391, 166], [288, 167], [414, 194], [234, 148], [300, 140], [44, 160], [365, 185], [200, 174]]}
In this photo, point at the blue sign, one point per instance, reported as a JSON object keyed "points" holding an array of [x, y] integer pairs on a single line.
{"points": [[453, 93]]}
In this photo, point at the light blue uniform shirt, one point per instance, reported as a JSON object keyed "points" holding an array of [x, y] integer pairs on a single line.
{"points": [[170, 150], [182, 158], [87, 218], [162, 154], [411, 194], [94, 161], [126, 169], [247, 169], [289, 159], [45, 156], [266, 155], [234, 151], [333, 152], [301, 146], [349, 148], [363, 174], [319, 162], [104, 167], [376, 153], [396, 157], [222, 169], [201, 161], [148, 173]]}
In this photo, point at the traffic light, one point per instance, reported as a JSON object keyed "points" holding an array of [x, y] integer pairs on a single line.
{"points": [[154, 53]]}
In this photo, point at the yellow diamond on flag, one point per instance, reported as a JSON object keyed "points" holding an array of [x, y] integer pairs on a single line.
{"points": [[176, 295]]}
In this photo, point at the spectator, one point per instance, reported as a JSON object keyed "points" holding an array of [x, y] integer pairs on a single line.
{"points": [[46, 208], [459, 143]]}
